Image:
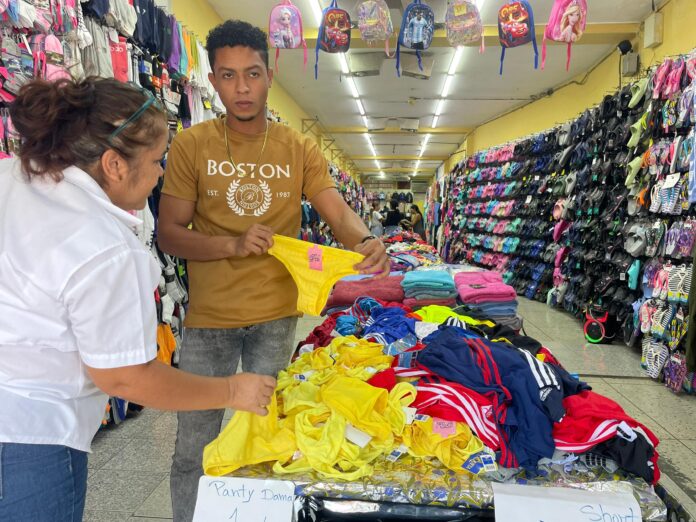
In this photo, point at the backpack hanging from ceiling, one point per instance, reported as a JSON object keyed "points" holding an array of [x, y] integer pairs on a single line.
{"points": [[285, 29], [375, 23], [334, 33], [566, 24], [463, 23], [417, 28], [516, 28]]}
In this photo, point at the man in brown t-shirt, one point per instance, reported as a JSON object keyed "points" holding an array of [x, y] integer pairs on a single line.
{"points": [[237, 181]]}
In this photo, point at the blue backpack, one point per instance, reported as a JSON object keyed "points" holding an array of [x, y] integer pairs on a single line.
{"points": [[516, 28], [334, 33], [417, 28]]}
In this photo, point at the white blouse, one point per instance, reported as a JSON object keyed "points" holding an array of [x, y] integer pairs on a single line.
{"points": [[76, 289]]}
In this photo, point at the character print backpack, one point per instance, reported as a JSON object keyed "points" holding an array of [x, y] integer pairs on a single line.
{"points": [[463, 23], [566, 24], [375, 23], [516, 28], [285, 29], [417, 27], [334, 33]]}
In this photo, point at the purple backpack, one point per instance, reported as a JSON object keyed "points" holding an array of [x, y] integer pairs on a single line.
{"points": [[285, 29]]}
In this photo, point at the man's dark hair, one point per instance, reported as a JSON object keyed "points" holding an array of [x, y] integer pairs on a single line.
{"points": [[394, 204], [233, 33]]}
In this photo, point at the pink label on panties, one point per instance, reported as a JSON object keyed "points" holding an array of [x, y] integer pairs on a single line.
{"points": [[316, 258], [444, 428]]}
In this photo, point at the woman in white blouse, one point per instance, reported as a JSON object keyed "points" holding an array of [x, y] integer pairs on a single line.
{"points": [[77, 310]]}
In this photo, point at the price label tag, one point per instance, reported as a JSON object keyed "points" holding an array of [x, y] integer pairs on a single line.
{"points": [[671, 181], [515, 503], [622, 276], [244, 500], [528, 200], [537, 178]]}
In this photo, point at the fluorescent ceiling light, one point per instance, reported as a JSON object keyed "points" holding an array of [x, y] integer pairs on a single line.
{"points": [[318, 14], [417, 165], [381, 174], [367, 137], [448, 85], [364, 118], [353, 88], [440, 106], [361, 109], [372, 149], [344, 63], [435, 120], [378, 165], [455, 60], [425, 144]]}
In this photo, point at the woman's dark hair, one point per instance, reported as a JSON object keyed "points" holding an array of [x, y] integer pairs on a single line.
{"points": [[69, 122], [394, 204], [415, 208], [233, 33]]}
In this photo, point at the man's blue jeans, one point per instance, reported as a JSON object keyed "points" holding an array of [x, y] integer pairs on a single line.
{"points": [[42, 483]]}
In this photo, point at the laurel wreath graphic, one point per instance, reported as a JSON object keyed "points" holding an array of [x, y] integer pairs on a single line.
{"points": [[231, 191], [267, 198], [232, 203]]}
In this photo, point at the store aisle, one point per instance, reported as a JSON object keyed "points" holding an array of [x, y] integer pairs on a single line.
{"points": [[129, 469]]}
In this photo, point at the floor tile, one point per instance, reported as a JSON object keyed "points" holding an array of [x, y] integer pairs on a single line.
{"points": [[144, 454], [105, 516], [119, 490], [673, 412], [139, 424], [158, 504], [690, 443], [679, 463], [104, 448], [147, 519]]}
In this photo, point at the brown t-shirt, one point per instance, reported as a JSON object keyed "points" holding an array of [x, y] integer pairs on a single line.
{"points": [[237, 292]]}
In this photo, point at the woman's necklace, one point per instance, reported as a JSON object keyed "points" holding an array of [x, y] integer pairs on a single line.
{"points": [[229, 153]]}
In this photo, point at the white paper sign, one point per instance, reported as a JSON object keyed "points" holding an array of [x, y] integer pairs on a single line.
{"points": [[515, 503], [244, 500]]}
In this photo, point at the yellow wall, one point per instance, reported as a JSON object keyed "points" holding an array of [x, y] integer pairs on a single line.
{"points": [[569, 101], [200, 17]]}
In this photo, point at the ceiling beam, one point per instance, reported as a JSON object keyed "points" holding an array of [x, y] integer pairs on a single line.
{"points": [[401, 157], [397, 130], [595, 34], [397, 170]]}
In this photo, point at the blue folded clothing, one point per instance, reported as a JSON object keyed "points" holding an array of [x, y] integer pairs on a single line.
{"points": [[428, 279], [430, 293]]}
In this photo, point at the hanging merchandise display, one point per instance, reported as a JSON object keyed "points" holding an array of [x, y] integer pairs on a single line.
{"points": [[594, 217], [516, 28], [417, 30], [285, 29], [334, 33], [375, 23], [463, 23], [566, 24]]}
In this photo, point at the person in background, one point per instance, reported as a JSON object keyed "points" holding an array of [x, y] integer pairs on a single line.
{"points": [[376, 219], [394, 217], [78, 320], [416, 223], [238, 181]]}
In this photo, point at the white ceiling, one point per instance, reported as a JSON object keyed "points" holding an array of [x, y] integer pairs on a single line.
{"points": [[478, 94]]}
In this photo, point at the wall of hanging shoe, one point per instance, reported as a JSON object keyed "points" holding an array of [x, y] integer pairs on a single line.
{"points": [[611, 205]]}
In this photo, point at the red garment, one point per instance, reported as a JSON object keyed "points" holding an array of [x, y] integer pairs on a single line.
{"points": [[549, 357], [119, 58], [346, 292], [592, 419], [321, 335]]}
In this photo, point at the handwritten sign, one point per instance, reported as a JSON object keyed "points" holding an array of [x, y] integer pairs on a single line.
{"points": [[539, 504], [244, 500]]}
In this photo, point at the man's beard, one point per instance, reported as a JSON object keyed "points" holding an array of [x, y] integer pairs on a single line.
{"points": [[245, 118]]}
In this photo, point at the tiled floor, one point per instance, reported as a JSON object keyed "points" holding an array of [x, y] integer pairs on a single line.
{"points": [[129, 468]]}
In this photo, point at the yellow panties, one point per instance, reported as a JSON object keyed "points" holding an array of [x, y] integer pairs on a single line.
{"points": [[314, 268], [453, 448], [250, 439]]}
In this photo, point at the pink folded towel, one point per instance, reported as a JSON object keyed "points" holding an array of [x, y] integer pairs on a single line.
{"points": [[346, 292], [476, 278], [486, 293]]}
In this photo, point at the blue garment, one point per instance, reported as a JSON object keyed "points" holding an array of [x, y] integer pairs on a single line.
{"points": [[42, 482], [387, 325], [428, 279], [503, 375], [346, 325]]}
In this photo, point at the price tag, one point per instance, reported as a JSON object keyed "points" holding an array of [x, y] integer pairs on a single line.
{"points": [[243, 500], [671, 181], [515, 503], [622, 276], [537, 178]]}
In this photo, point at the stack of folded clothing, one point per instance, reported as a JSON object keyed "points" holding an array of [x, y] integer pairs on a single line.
{"points": [[347, 291], [429, 287], [485, 292]]}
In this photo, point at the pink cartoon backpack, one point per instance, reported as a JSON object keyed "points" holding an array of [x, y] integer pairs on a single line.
{"points": [[285, 29], [566, 24]]}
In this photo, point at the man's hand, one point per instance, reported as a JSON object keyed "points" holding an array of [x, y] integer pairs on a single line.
{"points": [[250, 392], [376, 260], [255, 241]]}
